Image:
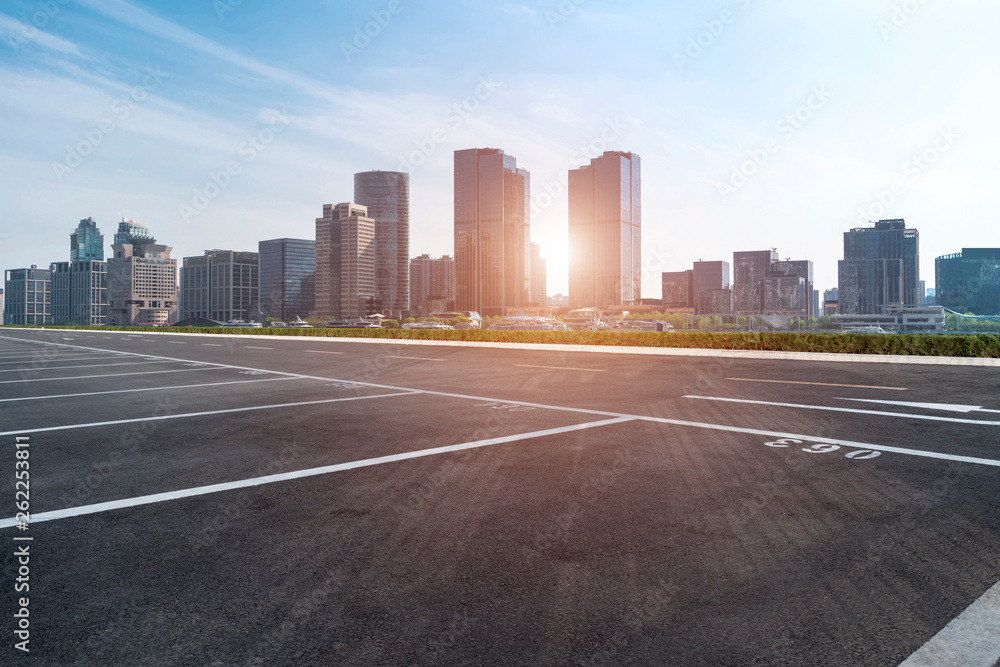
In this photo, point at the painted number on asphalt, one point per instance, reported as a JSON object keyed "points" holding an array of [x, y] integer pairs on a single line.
{"points": [[824, 448]]}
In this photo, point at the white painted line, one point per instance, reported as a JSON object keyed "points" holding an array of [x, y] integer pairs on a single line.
{"points": [[604, 413], [970, 640], [388, 356], [819, 384], [63, 368], [943, 407], [564, 368], [299, 474], [131, 391], [250, 347], [71, 427], [213, 345], [177, 342], [112, 375], [880, 413], [323, 352], [54, 359]]}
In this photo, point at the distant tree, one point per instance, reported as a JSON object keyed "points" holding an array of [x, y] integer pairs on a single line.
{"points": [[409, 320], [390, 324]]}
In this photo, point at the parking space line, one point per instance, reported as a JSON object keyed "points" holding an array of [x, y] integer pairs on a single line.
{"points": [[131, 391], [323, 352], [564, 368], [111, 375], [412, 358], [826, 408], [176, 342], [299, 474], [63, 368], [818, 384], [250, 347], [972, 639], [70, 427], [213, 345], [87, 358]]}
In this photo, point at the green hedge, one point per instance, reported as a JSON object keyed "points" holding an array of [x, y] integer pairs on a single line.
{"points": [[942, 345]]}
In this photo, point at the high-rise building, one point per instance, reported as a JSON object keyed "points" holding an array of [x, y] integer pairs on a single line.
{"points": [[678, 289], [386, 195], [345, 262], [287, 278], [142, 279], [710, 276], [880, 271], [750, 270], [86, 243], [220, 285], [969, 281], [492, 231], [539, 278], [766, 285], [605, 231], [27, 296], [79, 292], [432, 280]]}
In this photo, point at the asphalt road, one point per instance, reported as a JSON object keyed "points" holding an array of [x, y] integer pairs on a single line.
{"points": [[228, 501]]}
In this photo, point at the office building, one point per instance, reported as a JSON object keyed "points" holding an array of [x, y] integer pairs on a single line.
{"points": [[678, 289], [880, 270], [287, 278], [27, 296], [141, 279], [386, 195], [539, 279], [750, 270], [345, 262], [605, 231], [432, 284], [86, 243], [220, 285], [80, 292], [968, 282], [767, 285], [492, 231]]}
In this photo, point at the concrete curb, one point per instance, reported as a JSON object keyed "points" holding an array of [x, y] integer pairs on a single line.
{"points": [[597, 349]]}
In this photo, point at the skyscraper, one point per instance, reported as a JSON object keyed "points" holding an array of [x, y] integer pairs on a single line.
{"points": [[605, 231], [969, 281], [767, 285], [27, 296], [287, 278], [345, 262], [386, 195], [714, 277], [220, 285], [86, 243], [432, 280], [492, 224], [539, 277], [142, 279], [880, 270]]}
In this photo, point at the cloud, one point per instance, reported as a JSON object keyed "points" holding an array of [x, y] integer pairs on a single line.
{"points": [[19, 33]]}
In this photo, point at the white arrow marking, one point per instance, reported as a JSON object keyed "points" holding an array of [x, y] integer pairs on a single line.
{"points": [[944, 407]]}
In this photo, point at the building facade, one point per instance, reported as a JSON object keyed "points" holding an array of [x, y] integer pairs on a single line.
{"points": [[80, 292], [345, 262], [539, 277], [142, 279], [880, 270], [27, 296], [492, 231], [220, 285], [605, 231], [86, 243], [678, 289], [767, 285], [432, 280], [969, 281], [287, 278], [386, 195]]}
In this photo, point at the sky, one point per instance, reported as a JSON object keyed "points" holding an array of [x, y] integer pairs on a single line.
{"points": [[760, 123]]}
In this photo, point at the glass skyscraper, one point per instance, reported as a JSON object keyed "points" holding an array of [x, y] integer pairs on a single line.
{"points": [[287, 278], [605, 231], [969, 281], [86, 243], [880, 270], [386, 195], [492, 226]]}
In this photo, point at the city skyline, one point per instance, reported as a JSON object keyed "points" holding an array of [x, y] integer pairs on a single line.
{"points": [[245, 148]]}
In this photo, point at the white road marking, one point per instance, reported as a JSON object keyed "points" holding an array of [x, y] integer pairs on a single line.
{"points": [[564, 368], [412, 358], [63, 368], [70, 427], [213, 345], [130, 391], [818, 384], [87, 358], [881, 413], [323, 352], [944, 407], [112, 375], [970, 640], [176, 342], [299, 474], [603, 413], [249, 347]]}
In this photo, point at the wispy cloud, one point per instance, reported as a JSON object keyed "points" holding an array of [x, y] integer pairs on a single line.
{"points": [[15, 34]]}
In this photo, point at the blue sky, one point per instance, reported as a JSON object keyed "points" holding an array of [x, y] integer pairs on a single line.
{"points": [[760, 123]]}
